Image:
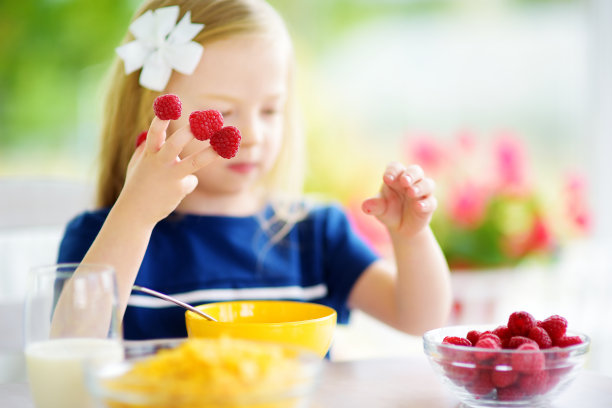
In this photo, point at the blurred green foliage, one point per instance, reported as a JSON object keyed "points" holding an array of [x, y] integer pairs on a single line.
{"points": [[45, 49]]}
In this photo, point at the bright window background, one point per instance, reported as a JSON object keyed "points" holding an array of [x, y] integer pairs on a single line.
{"points": [[483, 66]]}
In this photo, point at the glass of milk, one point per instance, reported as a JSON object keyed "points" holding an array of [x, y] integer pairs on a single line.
{"points": [[71, 318]]}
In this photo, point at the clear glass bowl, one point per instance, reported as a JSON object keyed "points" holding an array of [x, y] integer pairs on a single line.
{"points": [[244, 374], [482, 377]]}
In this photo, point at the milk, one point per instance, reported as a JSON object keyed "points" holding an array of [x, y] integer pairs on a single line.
{"points": [[55, 369]]}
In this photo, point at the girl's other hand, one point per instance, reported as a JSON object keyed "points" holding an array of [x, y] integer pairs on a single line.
{"points": [[157, 177], [405, 203]]}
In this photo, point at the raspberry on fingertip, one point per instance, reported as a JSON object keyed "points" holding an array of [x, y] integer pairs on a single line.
{"points": [[226, 142], [204, 124], [167, 107]]}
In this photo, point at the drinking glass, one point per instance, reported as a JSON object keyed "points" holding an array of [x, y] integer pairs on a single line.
{"points": [[70, 317]]}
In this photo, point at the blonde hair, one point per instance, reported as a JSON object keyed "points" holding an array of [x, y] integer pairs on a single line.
{"points": [[129, 109]]}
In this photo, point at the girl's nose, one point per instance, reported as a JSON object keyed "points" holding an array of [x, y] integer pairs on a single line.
{"points": [[250, 129]]}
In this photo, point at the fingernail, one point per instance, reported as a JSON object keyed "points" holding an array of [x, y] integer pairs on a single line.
{"points": [[390, 177], [408, 178], [416, 190]]}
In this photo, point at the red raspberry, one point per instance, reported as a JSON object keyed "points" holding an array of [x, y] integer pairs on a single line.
{"points": [[486, 343], [516, 341], [536, 383], [457, 341], [567, 341], [458, 364], [205, 123], [167, 107], [555, 353], [461, 354], [503, 379], [460, 374], [529, 360], [503, 332], [491, 336], [503, 375], [555, 375], [482, 384], [226, 142], [557, 362], [520, 323], [540, 336], [513, 393], [555, 326], [141, 138], [473, 336]]}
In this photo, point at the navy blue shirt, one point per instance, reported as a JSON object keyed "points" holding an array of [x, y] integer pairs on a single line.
{"points": [[201, 259]]}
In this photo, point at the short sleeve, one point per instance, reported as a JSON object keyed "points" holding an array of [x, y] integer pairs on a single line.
{"points": [[79, 234]]}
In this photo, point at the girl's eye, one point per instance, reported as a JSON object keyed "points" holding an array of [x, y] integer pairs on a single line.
{"points": [[226, 113], [270, 111]]}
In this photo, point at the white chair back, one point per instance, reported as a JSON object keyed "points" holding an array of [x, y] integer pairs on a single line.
{"points": [[33, 215]]}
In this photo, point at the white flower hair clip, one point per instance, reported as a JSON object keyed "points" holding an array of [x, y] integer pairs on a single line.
{"points": [[161, 46]]}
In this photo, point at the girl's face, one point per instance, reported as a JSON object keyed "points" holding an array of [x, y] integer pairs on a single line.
{"points": [[244, 78]]}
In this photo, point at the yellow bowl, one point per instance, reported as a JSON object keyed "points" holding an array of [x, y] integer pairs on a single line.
{"points": [[308, 325]]}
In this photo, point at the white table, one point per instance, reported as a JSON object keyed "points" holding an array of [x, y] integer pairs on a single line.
{"points": [[389, 383]]}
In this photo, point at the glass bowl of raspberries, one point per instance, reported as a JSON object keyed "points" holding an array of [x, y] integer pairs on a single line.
{"points": [[524, 363]]}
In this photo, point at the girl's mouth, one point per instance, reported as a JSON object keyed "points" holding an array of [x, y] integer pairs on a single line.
{"points": [[242, 168]]}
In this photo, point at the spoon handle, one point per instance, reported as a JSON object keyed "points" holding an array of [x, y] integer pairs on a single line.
{"points": [[173, 300]]}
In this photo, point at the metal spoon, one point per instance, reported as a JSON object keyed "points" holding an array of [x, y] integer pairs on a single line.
{"points": [[173, 300]]}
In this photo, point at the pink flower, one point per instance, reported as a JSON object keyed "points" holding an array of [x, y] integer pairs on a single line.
{"points": [[540, 236], [510, 162], [539, 239], [467, 205], [582, 220], [577, 208], [466, 141], [426, 151], [482, 187]]}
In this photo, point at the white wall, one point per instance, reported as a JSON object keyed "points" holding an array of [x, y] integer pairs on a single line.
{"points": [[600, 142]]}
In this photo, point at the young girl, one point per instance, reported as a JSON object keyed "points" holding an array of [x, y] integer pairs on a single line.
{"points": [[175, 217]]}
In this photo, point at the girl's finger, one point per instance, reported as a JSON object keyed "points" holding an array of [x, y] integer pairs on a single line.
{"points": [[399, 180], [197, 160], [415, 173], [428, 204], [195, 144], [189, 183], [399, 177], [374, 206], [422, 188], [393, 172], [175, 144], [156, 135]]}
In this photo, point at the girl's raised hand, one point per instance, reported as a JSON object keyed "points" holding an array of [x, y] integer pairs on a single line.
{"points": [[405, 203], [158, 178]]}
